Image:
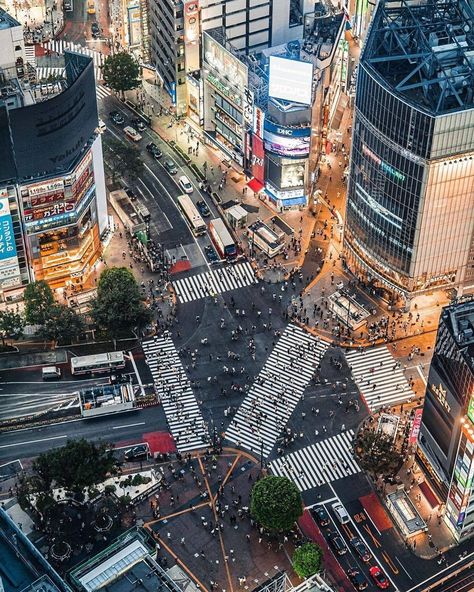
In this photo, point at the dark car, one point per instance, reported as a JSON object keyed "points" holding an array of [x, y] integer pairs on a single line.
{"points": [[360, 549], [130, 193], [321, 516], [203, 209], [337, 543], [170, 167], [139, 124], [211, 254], [154, 150], [139, 452], [95, 29], [379, 577], [357, 579], [117, 117]]}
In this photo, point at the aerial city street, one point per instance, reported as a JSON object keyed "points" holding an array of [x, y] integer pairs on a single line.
{"points": [[236, 295]]}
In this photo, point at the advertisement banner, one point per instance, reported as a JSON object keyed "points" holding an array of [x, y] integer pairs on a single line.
{"points": [[258, 122], [286, 146], [258, 155], [7, 237], [54, 210], [415, 428], [40, 189], [248, 107], [134, 28], [191, 35], [227, 65], [290, 80], [291, 132]]}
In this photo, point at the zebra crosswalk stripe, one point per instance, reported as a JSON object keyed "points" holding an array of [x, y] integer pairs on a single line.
{"points": [[215, 281], [174, 390], [379, 377], [59, 46], [102, 91], [276, 391], [320, 463]]}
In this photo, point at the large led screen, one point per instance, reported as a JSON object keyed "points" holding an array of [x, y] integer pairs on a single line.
{"points": [[286, 146], [290, 80]]}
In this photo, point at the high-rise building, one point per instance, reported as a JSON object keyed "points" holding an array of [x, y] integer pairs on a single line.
{"points": [[410, 206], [53, 209], [446, 440]]}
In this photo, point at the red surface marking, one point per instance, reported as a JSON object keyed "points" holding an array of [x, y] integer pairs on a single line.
{"points": [[376, 511], [309, 528], [128, 443], [429, 495], [179, 266], [160, 442], [39, 50]]}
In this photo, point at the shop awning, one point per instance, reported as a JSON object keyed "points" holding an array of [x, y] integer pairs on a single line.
{"points": [[255, 185]]}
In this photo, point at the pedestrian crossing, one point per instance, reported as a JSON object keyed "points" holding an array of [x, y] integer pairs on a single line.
{"points": [[44, 72], [266, 409], [174, 390], [320, 463], [215, 281], [379, 377], [59, 46], [102, 92], [30, 54]]}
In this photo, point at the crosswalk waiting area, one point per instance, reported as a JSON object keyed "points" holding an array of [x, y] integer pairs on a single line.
{"points": [[276, 391], [320, 463], [379, 377], [182, 412], [215, 281]]}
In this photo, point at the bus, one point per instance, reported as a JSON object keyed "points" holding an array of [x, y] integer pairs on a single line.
{"points": [[222, 239], [193, 217], [97, 363]]}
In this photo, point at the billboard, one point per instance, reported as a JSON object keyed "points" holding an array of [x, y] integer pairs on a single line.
{"points": [[134, 25], [258, 156], [286, 146], [258, 122], [291, 132], [9, 268], [248, 107], [191, 35], [290, 80], [225, 64], [58, 128]]}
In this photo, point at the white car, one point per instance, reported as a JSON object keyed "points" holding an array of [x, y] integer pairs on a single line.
{"points": [[101, 127], [341, 513], [185, 184], [132, 133]]}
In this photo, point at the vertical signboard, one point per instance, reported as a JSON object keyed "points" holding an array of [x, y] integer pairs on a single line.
{"points": [[258, 156], [9, 268], [248, 107], [134, 25], [191, 35]]}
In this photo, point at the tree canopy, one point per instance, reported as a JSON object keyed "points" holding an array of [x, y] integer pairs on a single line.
{"points": [[39, 299], [63, 324], [376, 452], [121, 72], [118, 306], [307, 560], [11, 325], [276, 503], [123, 158], [78, 465]]}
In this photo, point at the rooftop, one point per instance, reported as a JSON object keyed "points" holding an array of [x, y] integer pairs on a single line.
{"points": [[424, 51], [7, 21]]}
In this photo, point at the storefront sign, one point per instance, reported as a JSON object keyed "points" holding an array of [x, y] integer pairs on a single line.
{"points": [[7, 237], [415, 428], [46, 198], [258, 122], [50, 187], [284, 194], [248, 107]]}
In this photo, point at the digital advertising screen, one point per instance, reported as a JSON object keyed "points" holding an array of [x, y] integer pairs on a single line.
{"points": [[286, 145], [290, 80]]}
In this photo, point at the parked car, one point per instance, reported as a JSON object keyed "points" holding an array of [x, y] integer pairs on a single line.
{"points": [[139, 124], [357, 579], [321, 516], [203, 209], [360, 548], [340, 512], [117, 117], [336, 542], [170, 167], [379, 577], [154, 150], [185, 184], [139, 452], [211, 254]]}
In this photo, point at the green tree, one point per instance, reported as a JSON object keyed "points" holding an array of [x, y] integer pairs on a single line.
{"points": [[11, 325], [118, 306], [39, 299], [276, 503], [123, 158], [307, 560], [77, 466], [63, 324], [376, 453], [121, 72]]}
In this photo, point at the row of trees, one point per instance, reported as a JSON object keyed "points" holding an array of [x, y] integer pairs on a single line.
{"points": [[117, 309]]}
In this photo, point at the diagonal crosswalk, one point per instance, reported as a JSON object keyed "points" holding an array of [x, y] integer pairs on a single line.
{"points": [[173, 388], [276, 391], [59, 46], [379, 377], [215, 281], [44, 72], [320, 463]]}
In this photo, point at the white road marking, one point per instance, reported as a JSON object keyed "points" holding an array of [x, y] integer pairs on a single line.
{"points": [[33, 441], [130, 425]]}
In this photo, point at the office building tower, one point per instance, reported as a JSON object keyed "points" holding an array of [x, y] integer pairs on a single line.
{"points": [[410, 204], [445, 450], [52, 188]]}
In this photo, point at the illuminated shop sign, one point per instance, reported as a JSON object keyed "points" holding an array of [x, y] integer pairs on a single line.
{"points": [[386, 168], [50, 187], [224, 89], [258, 122], [292, 132], [248, 107], [7, 237], [258, 155], [470, 409], [440, 394], [49, 212]]}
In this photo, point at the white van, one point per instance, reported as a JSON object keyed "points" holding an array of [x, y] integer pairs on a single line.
{"points": [[341, 513], [51, 373], [132, 133]]}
